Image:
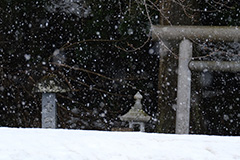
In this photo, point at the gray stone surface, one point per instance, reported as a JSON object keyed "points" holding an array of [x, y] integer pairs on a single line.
{"points": [[184, 88], [136, 115], [49, 110]]}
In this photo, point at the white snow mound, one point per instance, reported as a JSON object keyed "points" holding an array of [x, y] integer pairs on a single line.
{"points": [[59, 144]]}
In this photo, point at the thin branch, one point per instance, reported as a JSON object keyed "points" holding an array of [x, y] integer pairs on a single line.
{"points": [[67, 45], [133, 48], [160, 11], [94, 73], [96, 89], [161, 41]]}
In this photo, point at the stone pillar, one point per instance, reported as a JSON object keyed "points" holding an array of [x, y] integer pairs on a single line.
{"points": [[49, 119], [49, 87], [142, 127], [184, 88]]}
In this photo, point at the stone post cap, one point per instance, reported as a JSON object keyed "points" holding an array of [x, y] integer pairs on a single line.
{"points": [[51, 85]]}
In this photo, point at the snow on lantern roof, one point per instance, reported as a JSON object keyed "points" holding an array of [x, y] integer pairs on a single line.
{"points": [[51, 85], [136, 113]]}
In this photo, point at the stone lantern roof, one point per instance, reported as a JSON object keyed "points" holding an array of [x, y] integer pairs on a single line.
{"points": [[51, 84], [136, 113]]}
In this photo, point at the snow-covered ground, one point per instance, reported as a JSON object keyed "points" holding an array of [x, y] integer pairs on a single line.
{"points": [[48, 144]]}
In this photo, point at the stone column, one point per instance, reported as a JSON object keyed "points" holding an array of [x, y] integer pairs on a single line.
{"points": [[184, 88], [49, 110]]}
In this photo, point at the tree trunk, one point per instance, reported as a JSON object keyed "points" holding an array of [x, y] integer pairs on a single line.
{"points": [[172, 14]]}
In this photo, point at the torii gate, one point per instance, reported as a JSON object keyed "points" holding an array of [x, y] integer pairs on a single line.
{"points": [[185, 34]]}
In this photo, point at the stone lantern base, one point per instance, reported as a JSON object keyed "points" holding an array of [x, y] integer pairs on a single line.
{"points": [[139, 125]]}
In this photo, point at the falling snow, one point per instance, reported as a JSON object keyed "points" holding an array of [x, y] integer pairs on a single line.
{"points": [[104, 53], [27, 57]]}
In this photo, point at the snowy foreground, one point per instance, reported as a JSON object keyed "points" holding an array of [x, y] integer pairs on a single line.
{"points": [[47, 144]]}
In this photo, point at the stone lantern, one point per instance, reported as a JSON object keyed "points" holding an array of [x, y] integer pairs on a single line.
{"points": [[136, 116], [49, 87]]}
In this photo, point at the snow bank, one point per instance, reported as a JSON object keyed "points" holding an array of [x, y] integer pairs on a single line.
{"points": [[48, 144]]}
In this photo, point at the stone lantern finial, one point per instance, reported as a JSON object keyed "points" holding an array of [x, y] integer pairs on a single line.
{"points": [[138, 104]]}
